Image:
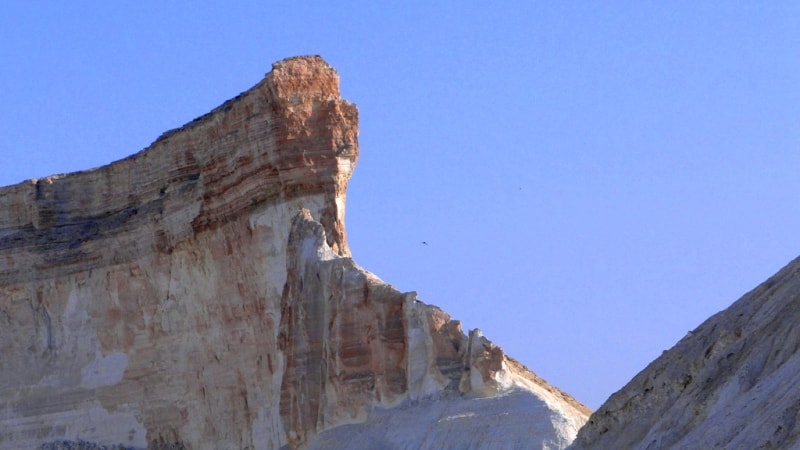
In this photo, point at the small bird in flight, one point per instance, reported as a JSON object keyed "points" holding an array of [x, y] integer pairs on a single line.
{"points": [[424, 243]]}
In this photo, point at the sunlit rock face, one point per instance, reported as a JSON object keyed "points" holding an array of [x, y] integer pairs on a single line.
{"points": [[733, 382], [200, 294]]}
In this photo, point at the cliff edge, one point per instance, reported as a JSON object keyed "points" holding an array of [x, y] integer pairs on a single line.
{"points": [[200, 294]]}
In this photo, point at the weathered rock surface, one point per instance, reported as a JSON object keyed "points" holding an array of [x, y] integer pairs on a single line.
{"points": [[200, 294], [733, 382]]}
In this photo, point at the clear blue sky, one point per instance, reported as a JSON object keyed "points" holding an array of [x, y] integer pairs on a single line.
{"points": [[593, 181]]}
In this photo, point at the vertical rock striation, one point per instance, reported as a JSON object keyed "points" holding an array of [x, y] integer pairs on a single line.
{"points": [[200, 294]]}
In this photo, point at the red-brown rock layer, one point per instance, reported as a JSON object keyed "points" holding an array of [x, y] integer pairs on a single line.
{"points": [[290, 136]]}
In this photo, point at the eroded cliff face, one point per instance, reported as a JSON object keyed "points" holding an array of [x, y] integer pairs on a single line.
{"points": [[733, 382], [200, 294]]}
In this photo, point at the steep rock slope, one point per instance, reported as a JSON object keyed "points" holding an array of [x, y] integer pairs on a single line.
{"points": [[200, 294], [733, 382]]}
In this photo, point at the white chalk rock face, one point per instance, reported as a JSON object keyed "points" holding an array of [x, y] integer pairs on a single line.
{"points": [[200, 294], [733, 382]]}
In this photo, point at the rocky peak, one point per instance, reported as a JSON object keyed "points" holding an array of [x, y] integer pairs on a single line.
{"points": [[200, 294]]}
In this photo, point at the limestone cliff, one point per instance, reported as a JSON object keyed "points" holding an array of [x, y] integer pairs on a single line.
{"points": [[200, 294], [733, 382]]}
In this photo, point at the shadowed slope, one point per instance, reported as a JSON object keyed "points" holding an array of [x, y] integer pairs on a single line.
{"points": [[733, 382]]}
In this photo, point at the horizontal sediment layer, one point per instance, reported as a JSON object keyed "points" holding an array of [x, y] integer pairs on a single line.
{"points": [[253, 150]]}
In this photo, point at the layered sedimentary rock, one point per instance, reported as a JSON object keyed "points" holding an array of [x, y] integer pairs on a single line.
{"points": [[200, 294], [733, 382]]}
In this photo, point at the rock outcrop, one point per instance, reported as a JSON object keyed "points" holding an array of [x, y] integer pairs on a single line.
{"points": [[733, 382], [200, 294]]}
